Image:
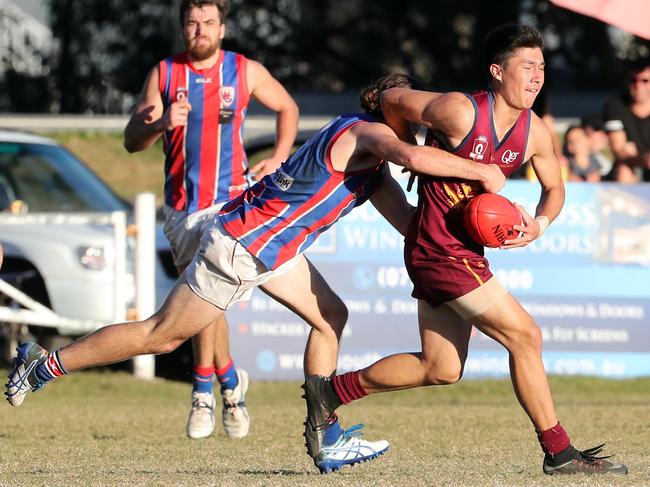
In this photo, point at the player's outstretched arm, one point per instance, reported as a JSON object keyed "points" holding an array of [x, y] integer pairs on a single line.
{"points": [[449, 113], [380, 140], [270, 93]]}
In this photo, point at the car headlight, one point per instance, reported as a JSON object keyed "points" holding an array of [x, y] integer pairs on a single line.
{"points": [[91, 257]]}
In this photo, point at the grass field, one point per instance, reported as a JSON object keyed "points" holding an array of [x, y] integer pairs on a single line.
{"points": [[126, 173], [108, 428]]}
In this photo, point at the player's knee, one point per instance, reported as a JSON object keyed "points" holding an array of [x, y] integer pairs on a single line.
{"points": [[337, 316], [534, 337], [444, 374], [158, 342], [528, 338], [168, 346]]}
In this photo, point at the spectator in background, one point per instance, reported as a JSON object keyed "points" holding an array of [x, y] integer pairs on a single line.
{"points": [[598, 143], [583, 164], [196, 101], [627, 123]]}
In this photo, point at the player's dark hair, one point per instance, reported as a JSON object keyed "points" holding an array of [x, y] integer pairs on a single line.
{"points": [[505, 40], [369, 96], [637, 65], [222, 5]]}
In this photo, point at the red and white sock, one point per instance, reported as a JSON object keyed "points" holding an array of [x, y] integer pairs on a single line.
{"points": [[50, 368]]}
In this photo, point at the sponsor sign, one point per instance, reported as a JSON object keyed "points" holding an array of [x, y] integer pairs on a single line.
{"points": [[585, 282]]}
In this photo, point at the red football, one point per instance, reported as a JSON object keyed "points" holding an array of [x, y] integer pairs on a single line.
{"points": [[489, 218]]}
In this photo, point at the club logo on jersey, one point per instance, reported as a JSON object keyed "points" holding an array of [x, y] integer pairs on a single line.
{"points": [[181, 93], [282, 180], [479, 148], [509, 157], [227, 95]]}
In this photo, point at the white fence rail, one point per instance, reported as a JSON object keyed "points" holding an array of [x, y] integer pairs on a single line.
{"points": [[256, 125], [25, 310]]}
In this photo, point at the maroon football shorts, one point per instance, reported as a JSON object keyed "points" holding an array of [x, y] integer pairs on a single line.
{"points": [[438, 279]]}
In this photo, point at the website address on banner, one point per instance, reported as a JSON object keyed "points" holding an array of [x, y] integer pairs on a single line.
{"points": [[347, 362], [603, 364]]}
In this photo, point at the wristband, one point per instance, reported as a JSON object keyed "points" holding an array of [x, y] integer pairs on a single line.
{"points": [[543, 224]]}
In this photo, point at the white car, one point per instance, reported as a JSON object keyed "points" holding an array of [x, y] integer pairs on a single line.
{"points": [[63, 265]]}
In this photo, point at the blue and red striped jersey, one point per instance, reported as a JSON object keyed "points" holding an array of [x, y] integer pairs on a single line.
{"points": [[205, 161], [283, 214]]}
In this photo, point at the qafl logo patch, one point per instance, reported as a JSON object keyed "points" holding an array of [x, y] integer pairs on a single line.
{"points": [[227, 95], [479, 148], [509, 157]]}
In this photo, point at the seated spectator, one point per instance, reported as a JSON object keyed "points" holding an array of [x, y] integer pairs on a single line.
{"points": [[583, 164], [599, 144], [627, 123]]}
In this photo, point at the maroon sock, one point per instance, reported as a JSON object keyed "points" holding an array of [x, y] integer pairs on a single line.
{"points": [[348, 387], [554, 440]]}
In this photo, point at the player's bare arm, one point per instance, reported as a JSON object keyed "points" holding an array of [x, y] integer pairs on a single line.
{"points": [[547, 169], [379, 140], [270, 93], [390, 201], [449, 113], [148, 121]]}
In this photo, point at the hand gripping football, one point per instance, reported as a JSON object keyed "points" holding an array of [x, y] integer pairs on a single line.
{"points": [[489, 218]]}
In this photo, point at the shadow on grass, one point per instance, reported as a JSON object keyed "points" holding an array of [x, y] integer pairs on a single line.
{"points": [[279, 472]]}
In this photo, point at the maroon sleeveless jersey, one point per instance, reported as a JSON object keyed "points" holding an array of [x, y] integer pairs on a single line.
{"points": [[443, 261]]}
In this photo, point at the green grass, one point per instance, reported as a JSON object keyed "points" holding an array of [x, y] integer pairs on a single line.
{"points": [[128, 174], [106, 428], [111, 429]]}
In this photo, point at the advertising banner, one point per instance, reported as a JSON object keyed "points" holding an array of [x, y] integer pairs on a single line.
{"points": [[586, 282]]}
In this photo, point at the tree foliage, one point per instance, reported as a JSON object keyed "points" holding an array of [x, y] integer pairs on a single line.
{"points": [[104, 48], [101, 46]]}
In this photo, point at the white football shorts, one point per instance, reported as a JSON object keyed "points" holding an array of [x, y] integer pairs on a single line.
{"points": [[223, 272], [184, 231]]}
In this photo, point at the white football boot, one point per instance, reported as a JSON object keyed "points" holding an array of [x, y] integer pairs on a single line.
{"points": [[200, 424], [236, 421], [348, 449]]}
